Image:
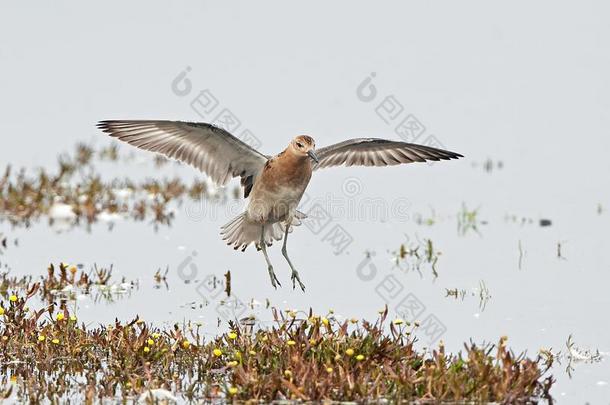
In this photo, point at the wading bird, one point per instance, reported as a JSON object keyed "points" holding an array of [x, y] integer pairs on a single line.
{"points": [[274, 184]]}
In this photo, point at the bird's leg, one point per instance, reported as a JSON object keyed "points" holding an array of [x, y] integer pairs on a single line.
{"points": [[274, 281], [295, 274]]}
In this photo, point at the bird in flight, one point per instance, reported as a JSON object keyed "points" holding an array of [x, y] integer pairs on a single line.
{"points": [[273, 184]]}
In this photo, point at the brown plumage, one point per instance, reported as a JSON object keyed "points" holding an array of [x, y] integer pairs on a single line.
{"points": [[274, 185]]}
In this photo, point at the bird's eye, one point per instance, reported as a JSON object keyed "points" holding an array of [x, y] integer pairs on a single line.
{"points": [[299, 144]]}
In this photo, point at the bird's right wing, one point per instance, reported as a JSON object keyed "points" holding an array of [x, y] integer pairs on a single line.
{"points": [[210, 149]]}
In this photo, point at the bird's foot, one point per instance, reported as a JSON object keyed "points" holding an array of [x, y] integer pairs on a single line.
{"points": [[274, 281], [295, 279]]}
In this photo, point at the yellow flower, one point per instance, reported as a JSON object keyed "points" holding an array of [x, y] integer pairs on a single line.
{"points": [[72, 269], [232, 335], [291, 343], [55, 341], [232, 390], [353, 320], [312, 341], [73, 318], [60, 316], [329, 370], [186, 344], [41, 338], [1, 311], [13, 298], [337, 357], [325, 321], [288, 373], [265, 338], [217, 352], [150, 342], [238, 354], [360, 357], [156, 335], [146, 349], [292, 314], [398, 321], [349, 352], [232, 363]]}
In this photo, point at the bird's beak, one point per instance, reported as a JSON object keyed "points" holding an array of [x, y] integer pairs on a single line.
{"points": [[313, 155]]}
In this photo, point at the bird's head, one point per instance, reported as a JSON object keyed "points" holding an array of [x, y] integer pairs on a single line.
{"points": [[304, 145]]}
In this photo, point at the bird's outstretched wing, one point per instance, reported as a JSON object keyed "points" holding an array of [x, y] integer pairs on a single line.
{"points": [[378, 152], [210, 149]]}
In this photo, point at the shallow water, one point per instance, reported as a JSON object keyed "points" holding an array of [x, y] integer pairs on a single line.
{"points": [[497, 88], [507, 271]]}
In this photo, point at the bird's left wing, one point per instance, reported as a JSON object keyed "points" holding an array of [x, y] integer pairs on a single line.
{"points": [[378, 152], [210, 149]]}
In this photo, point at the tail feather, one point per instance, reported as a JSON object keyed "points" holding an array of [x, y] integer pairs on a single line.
{"points": [[240, 232]]}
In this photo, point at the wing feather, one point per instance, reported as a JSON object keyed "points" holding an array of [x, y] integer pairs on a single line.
{"points": [[378, 152], [206, 147]]}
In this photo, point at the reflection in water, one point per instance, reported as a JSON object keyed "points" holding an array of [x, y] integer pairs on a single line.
{"points": [[522, 254], [161, 279], [66, 284], [573, 356], [523, 220], [560, 250], [468, 220], [415, 253], [482, 292], [577, 355], [489, 165]]}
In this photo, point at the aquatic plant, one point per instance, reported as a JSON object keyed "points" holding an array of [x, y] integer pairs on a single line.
{"points": [[47, 355], [75, 194]]}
